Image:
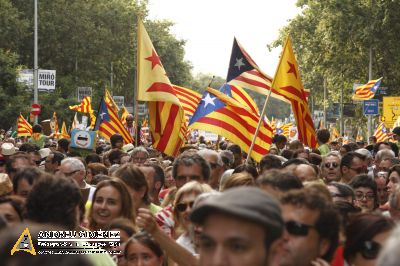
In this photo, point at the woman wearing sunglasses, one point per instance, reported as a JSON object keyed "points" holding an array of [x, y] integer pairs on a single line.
{"points": [[365, 236]]}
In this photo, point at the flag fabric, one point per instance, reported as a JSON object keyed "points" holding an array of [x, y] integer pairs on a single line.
{"points": [[288, 83], [124, 114], [321, 124], [188, 98], [64, 133], [284, 129], [108, 123], [240, 95], [85, 107], [381, 133], [334, 133], [110, 102], [245, 73], [223, 115], [75, 122], [24, 129], [367, 91], [273, 126], [54, 125], [167, 117]]}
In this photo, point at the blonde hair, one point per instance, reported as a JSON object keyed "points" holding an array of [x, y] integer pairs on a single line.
{"points": [[239, 180]]}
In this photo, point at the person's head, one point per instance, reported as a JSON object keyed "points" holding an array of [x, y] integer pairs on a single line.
{"points": [[330, 167], [237, 155], [365, 192], [365, 235], [92, 158], [139, 155], [372, 140], [169, 179], [95, 169], [305, 172], [323, 135], [37, 128], [155, 178], [53, 162], [190, 167], [183, 203], [296, 145], [24, 180], [12, 207], [129, 120], [383, 154], [312, 227], [246, 168], [111, 200], [394, 204], [269, 162], [341, 192], [238, 180], [17, 161], [227, 159], [114, 156], [126, 229], [394, 177], [280, 141], [117, 141], [74, 168], [352, 164], [54, 201], [63, 145], [136, 182], [277, 182], [345, 149], [141, 249], [383, 194], [249, 223], [216, 166]]}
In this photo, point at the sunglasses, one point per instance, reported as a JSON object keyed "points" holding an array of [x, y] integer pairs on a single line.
{"points": [[331, 165], [370, 249], [297, 229], [181, 207]]}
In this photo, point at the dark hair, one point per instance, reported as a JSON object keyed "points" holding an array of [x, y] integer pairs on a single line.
{"points": [[327, 224], [270, 161], [347, 159], [37, 128], [126, 200], [279, 138], [189, 159], [92, 158], [288, 154], [394, 148], [395, 168], [28, 147], [281, 180], [323, 135], [344, 189], [54, 200], [368, 182], [57, 157], [376, 146], [346, 210], [115, 156], [97, 168], [235, 149], [13, 158], [30, 174], [133, 178], [363, 227], [98, 178], [146, 240], [124, 224], [246, 168], [16, 202], [116, 138], [159, 175], [64, 144], [295, 161], [347, 147]]}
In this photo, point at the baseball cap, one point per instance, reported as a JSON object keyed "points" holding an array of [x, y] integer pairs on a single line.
{"points": [[396, 130], [7, 149], [247, 203]]}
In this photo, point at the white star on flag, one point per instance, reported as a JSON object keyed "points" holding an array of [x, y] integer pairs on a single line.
{"points": [[102, 115], [239, 63], [208, 100]]}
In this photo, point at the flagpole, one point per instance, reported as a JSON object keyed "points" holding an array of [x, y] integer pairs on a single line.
{"points": [[258, 126], [369, 78], [137, 86]]}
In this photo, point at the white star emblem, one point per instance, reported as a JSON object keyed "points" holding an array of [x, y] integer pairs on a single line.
{"points": [[239, 63], [208, 100], [102, 115]]}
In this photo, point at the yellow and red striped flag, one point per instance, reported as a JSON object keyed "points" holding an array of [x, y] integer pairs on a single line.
{"points": [[54, 125], [64, 133], [24, 129], [381, 133], [367, 91], [167, 117], [84, 107], [108, 123], [188, 98], [288, 83], [124, 114], [284, 129]]}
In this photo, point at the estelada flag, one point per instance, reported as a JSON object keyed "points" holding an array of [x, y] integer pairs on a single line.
{"points": [[167, 118], [287, 82]]}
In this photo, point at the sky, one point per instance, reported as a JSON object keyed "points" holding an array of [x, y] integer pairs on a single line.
{"points": [[209, 26]]}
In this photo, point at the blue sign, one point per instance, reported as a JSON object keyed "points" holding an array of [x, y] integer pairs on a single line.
{"points": [[371, 107]]}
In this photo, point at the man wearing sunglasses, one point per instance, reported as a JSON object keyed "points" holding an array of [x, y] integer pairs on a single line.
{"points": [[352, 164], [311, 228], [237, 229], [330, 170]]}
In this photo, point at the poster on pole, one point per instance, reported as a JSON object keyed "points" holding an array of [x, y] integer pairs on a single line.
{"points": [[391, 110], [82, 92], [46, 80]]}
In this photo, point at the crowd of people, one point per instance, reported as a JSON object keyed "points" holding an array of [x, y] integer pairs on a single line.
{"points": [[334, 205]]}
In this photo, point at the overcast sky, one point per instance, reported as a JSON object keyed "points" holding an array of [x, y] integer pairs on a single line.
{"points": [[209, 26]]}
